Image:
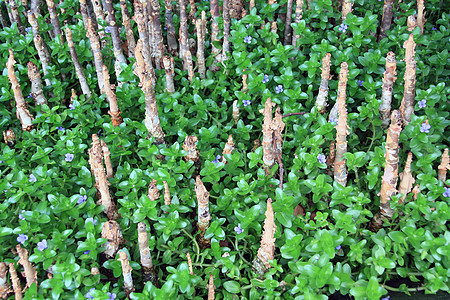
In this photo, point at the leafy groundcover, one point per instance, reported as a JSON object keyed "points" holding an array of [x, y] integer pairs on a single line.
{"points": [[224, 149]]}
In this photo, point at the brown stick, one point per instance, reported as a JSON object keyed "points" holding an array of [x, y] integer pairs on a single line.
{"points": [[340, 169], [407, 105], [115, 35], [287, 27], [114, 111], [228, 149], [78, 69], [226, 29], [266, 251], [444, 166], [126, 271], [411, 23], [268, 150], [169, 70], [388, 87], [22, 112], [16, 17], [54, 19], [190, 146], [203, 212], [214, 6], [84, 13], [5, 288], [131, 42], [346, 8], [201, 33], [235, 112], [15, 282], [148, 272], [211, 287], [386, 20], [171, 36], [321, 101], [421, 15], [107, 158], [100, 14], [158, 38], [406, 179], [153, 192], [191, 269], [36, 84], [298, 18], [29, 269], [167, 200], [98, 58], [184, 46], [113, 234]]}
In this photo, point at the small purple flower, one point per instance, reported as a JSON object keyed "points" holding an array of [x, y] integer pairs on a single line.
{"points": [[386, 298], [246, 102], [248, 39], [218, 157], [422, 103], [266, 78], [82, 199], [21, 215], [425, 128], [1, 161], [90, 219], [165, 28], [338, 247], [321, 158], [447, 192], [30, 95], [279, 89], [71, 106], [360, 82], [69, 157], [108, 29], [32, 178], [111, 296], [22, 238], [333, 121], [28, 29], [317, 257], [60, 128], [42, 245], [238, 229], [434, 28], [343, 28], [86, 252], [88, 295]]}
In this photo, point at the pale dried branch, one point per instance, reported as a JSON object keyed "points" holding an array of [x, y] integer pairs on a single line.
{"points": [[29, 269], [321, 101], [388, 88], [444, 166], [407, 105], [406, 179], [126, 271], [113, 234], [266, 251]]}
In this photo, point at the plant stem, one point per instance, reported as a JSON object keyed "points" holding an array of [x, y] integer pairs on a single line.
{"points": [[236, 246], [357, 178], [416, 289], [373, 138], [197, 248], [294, 114]]}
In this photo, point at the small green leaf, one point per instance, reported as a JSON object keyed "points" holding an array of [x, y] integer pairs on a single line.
{"points": [[232, 286]]}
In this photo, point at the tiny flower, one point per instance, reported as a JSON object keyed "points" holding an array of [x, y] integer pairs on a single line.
{"points": [[343, 27], [360, 82], [69, 157], [111, 296], [1, 161], [90, 219], [226, 254], [425, 128], [30, 95], [238, 229], [434, 28], [60, 128], [82, 199], [338, 247], [248, 39], [246, 102], [317, 257], [165, 28], [422, 103], [266, 78], [42, 245], [247, 26], [87, 251], [447, 192], [21, 215], [88, 295], [32, 178], [28, 29], [108, 29], [218, 157], [386, 298], [71, 106], [333, 121], [321, 158], [22, 238], [279, 89]]}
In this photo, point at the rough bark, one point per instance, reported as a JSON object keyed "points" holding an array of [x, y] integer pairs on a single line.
{"points": [[5, 288], [16, 17], [54, 19], [211, 288], [321, 101], [113, 234], [98, 58], [421, 15], [226, 29], [169, 70], [167, 200], [36, 84], [287, 26], [191, 269], [444, 166], [22, 112], [388, 87], [228, 149], [114, 111], [78, 69], [9, 137], [131, 42], [84, 13], [184, 46], [214, 6], [267, 143], [29, 269], [115, 36], [204, 217], [153, 192], [107, 158], [171, 36], [298, 18], [411, 23], [266, 251], [15, 282], [100, 14], [148, 272], [201, 34], [386, 20], [340, 169], [192, 10], [407, 105], [346, 8], [190, 146], [158, 38], [126, 271], [406, 179], [331, 155], [278, 128], [235, 112]]}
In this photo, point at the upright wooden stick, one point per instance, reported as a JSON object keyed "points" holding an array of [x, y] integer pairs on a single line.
{"points": [[266, 251], [321, 101], [131, 42], [98, 58], [36, 84], [388, 88], [148, 272], [54, 19], [126, 271], [386, 19], [29, 269], [298, 18], [171, 37], [407, 105], [114, 111]]}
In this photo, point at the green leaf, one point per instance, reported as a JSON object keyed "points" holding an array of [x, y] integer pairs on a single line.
{"points": [[232, 286]]}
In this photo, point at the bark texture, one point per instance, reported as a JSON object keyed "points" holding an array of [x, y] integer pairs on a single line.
{"points": [[346, 8], [148, 272], [298, 18], [190, 146], [29, 269], [287, 27], [226, 29], [126, 271], [131, 42], [44, 55], [388, 87], [386, 20], [16, 16], [228, 149], [203, 212], [36, 84], [411, 23], [99, 14], [406, 179], [115, 35], [153, 192], [107, 158], [157, 38], [167, 200], [169, 70], [421, 15], [267, 143], [54, 19], [340, 168], [211, 287], [266, 251], [84, 13], [201, 34], [113, 234], [184, 45], [235, 112], [214, 6], [98, 58], [22, 111], [321, 101], [171, 36], [444, 166], [15, 282], [114, 111], [407, 105], [5, 288], [237, 10]]}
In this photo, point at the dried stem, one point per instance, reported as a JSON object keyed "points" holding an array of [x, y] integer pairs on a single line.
{"points": [[148, 272], [235, 112], [36, 84], [331, 155], [15, 282], [321, 101], [268, 150], [388, 87], [407, 105], [228, 149], [98, 58], [190, 146], [115, 35], [168, 62], [298, 18], [421, 15], [406, 179], [278, 127], [54, 19], [171, 37], [211, 287], [84, 14], [16, 17], [78, 69], [203, 212], [386, 20], [126, 271], [237, 10], [107, 158], [193, 10], [411, 23], [191, 269], [190, 65], [153, 192], [131, 42], [99, 14], [167, 200], [201, 33], [184, 46], [288, 28], [266, 251], [444, 166], [113, 234], [157, 37], [114, 111], [226, 29], [9, 137], [22, 112], [5, 288], [340, 169], [29, 269], [214, 6], [346, 8]]}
